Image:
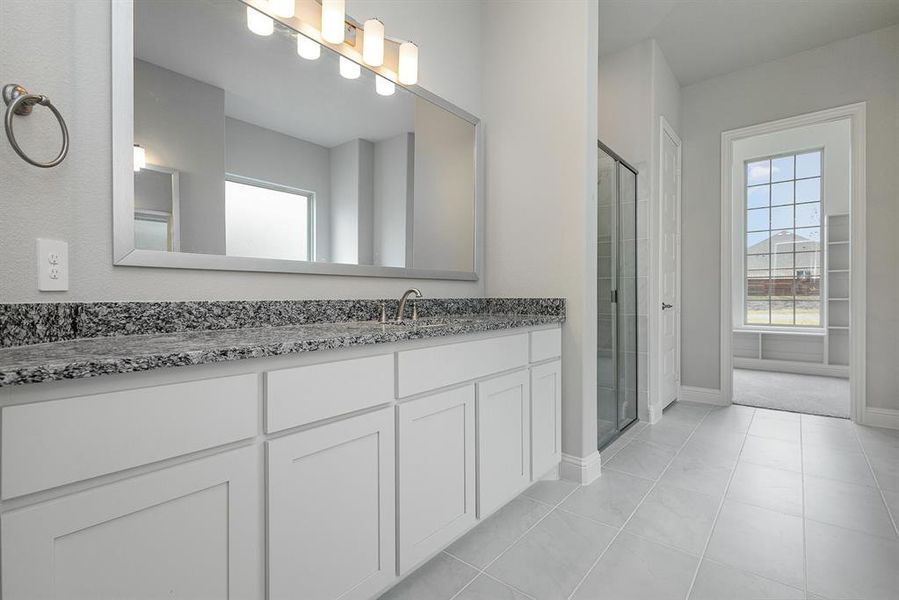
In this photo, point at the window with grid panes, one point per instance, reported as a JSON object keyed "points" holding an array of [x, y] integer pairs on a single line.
{"points": [[783, 232]]}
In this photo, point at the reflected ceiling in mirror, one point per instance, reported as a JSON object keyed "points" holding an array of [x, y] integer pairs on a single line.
{"points": [[281, 158]]}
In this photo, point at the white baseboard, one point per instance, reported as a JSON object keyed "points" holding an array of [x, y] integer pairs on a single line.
{"points": [[881, 417], [584, 470], [689, 393], [791, 366]]}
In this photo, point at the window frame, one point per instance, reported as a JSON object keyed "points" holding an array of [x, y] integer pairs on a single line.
{"points": [[821, 327], [277, 187]]}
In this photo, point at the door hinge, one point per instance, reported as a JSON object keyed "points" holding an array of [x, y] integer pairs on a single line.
{"points": [[614, 296]]}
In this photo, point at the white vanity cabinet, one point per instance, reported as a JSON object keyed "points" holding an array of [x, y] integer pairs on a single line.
{"points": [[436, 478], [504, 440], [319, 476], [546, 417], [187, 531], [331, 510]]}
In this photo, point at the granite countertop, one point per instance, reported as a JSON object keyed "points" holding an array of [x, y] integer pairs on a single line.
{"points": [[94, 356]]}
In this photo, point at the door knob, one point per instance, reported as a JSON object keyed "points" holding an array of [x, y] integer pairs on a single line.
{"points": [[666, 306]]}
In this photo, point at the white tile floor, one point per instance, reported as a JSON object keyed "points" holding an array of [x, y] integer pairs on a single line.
{"points": [[709, 504]]}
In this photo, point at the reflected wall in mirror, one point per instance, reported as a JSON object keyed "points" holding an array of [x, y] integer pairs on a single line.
{"points": [[255, 152]]}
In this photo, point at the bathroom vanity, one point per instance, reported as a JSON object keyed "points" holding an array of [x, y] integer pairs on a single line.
{"points": [[327, 463]]}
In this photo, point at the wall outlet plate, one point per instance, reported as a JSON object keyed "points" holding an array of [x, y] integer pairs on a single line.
{"points": [[52, 265]]}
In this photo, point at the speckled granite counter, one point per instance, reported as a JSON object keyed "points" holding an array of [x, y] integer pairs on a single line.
{"points": [[127, 342]]}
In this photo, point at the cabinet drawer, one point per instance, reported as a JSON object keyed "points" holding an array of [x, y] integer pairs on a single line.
{"points": [[546, 344], [431, 368], [306, 394], [48, 444]]}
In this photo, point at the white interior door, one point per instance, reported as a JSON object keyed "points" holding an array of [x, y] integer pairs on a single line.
{"points": [[669, 272]]}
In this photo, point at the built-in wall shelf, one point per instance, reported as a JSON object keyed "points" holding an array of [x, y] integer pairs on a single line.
{"points": [[823, 351], [837, 259]]}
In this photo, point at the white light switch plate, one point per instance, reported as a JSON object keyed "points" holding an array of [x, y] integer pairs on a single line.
{"points": [[52, 266]]}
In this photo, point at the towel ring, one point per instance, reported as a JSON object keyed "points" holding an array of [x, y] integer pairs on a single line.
{"points": [[20, 102]]}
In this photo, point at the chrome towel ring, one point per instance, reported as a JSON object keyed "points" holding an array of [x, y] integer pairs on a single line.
{"points": [[20, 102]]}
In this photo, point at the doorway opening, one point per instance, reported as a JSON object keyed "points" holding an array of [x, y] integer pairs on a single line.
{"points": [[793, 296]]}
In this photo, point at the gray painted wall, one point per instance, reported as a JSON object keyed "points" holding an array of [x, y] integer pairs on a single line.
{"points": [[393, 180], [443, 194], [178, 121], [862, 68]]}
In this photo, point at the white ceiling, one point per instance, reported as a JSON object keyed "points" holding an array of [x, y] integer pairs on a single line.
{"points": [[265, 82], [705, 38]]}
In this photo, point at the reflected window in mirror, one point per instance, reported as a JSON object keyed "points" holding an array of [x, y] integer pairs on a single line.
{"points": [[266, 220]]}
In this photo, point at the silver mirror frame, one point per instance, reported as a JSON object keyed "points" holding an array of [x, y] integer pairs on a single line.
{"points": [[124, 252]]}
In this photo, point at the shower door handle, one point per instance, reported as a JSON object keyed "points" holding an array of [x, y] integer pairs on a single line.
{"points": [[667, 306]]}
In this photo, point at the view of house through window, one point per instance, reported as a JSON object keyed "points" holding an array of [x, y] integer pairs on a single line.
{"points": [[783, 241]]}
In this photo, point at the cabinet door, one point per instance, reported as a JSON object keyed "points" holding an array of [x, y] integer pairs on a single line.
{"points": [[188, 531], [504, 435], [546, 418], [436, 472], [332, 510]]}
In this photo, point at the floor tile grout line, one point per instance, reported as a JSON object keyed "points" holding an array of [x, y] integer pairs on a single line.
{"points": [[804, 536], [893, 518], [479, 573], [730, 480], [637, 507], [515, 541]]}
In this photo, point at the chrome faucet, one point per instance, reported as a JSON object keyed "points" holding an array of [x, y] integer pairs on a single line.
{"points": [[402, 307]]}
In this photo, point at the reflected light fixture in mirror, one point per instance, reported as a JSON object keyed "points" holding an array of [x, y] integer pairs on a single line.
{"points": [[140, 158], [259, 23], [349, 69], [308, 49], [282, 8], [408, 68], [384, 86], [373, 43], [333, 18]]}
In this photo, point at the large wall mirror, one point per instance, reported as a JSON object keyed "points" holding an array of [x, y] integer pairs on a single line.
{"points": [[233, 152]]}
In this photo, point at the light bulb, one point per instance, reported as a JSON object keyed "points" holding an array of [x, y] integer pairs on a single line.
{"points": [[259, 23], [408, 63], [140, 158], [349, 69], [373, 42], [333, 18], [282, 8], [384, 86], [308, 49]]}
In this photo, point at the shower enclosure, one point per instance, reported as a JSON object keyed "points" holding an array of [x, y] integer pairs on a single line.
{"points": [[616, 282]]}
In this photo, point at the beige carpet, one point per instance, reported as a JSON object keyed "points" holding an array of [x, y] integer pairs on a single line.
{"points": [[809, 394]]}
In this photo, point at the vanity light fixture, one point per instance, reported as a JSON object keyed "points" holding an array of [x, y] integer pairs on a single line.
{"points": [[333, 20], [282, 8], [349, 69], [384, 86], [259, 23], [140, 158], [408, 63], [307, 48], [373, 42]]}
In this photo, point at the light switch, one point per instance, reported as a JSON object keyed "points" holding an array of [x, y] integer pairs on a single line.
{"points": [[52, 266]]}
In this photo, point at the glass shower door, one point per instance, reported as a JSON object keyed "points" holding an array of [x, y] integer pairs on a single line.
{"points": [[616, 351]]}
